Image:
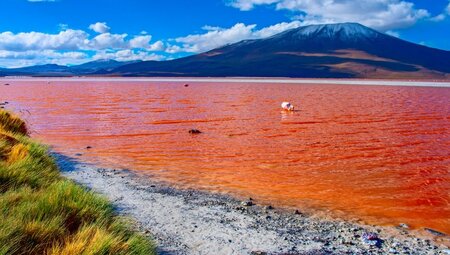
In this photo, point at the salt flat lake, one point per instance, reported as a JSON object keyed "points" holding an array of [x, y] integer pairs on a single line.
{"points": [[378, 153]]}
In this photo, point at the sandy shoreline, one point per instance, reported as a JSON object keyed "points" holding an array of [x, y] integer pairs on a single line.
{"points": [[325, 81], [192, 222]]}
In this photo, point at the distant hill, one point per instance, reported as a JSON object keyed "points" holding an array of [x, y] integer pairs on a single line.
{"points": [[99, 66], [345, 50], [48, 69], [89, 68]]}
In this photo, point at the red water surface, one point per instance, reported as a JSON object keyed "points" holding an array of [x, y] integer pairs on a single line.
{"points": [[377, 153]]}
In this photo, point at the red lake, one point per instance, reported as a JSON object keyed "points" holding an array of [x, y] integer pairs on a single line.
{"points": [[376, 153]]}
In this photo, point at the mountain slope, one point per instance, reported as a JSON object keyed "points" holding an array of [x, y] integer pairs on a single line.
{"points": [[93, 67], [333, 50], [99, 66], [345, 50], [48, 69]]}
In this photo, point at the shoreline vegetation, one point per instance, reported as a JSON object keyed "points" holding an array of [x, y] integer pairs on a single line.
{"points": [[42, 212]]}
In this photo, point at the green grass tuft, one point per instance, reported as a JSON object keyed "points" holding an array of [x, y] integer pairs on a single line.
{"points": [[44, 213]]}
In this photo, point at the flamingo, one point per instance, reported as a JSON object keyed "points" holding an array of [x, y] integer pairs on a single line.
{"points": [[287, 106]]}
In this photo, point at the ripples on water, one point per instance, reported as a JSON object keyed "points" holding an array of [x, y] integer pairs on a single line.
{"points": [[379, 153]]}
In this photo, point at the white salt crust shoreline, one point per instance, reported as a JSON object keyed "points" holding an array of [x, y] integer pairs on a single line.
{"points": [[366, 82]]}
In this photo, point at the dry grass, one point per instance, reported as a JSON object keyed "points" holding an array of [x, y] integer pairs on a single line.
{"points": [[43, 213], [12, 123]]}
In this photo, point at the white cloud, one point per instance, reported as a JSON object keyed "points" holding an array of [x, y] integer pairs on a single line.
{"points": [[438, 18], [71, 46], [33, 57], [108, 41], [443, 15], [383, 15], [217, 36], [211, 28], [393, 33], [65, 40], [128, 55], [246, 5], [63, 27], [171, 49], [142, 41], [157, 46], [99, 27], [275, 29]]}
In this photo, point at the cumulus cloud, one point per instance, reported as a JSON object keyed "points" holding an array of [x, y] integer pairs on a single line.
{"points": [[70, 46], [128, 55], [216, 36], [142, 41], [438, 18], [383, 15], [246, 5], [108, 41], [100, 27], [157, 46], [32, 57], [275, 29], [65, 40], [443, 15], [171, 49], [70, 39]]}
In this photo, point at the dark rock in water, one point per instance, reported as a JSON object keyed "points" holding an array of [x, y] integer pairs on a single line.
{"points": [[6, 84], [247, 203], [88, 147], [195, 131], [269, 207], [78, 154], [434, 232], [297, 212], [186, 85]]}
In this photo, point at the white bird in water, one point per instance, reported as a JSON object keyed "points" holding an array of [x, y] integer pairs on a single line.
{"points": [[287, 106]]}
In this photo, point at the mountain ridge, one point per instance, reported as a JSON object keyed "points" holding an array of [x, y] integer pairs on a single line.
{"points": [[342, 50]]}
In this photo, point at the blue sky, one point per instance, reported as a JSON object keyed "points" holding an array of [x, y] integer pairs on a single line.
{"points": [[75, 31]]}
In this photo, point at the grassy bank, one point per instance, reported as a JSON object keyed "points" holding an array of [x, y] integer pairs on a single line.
{"points": [[44, 213]]}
